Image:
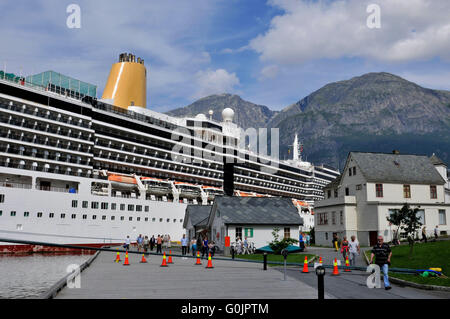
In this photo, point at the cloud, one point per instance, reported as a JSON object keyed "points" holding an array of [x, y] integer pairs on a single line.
{"points": [[214, 82], [269, 72], [410, 30]]}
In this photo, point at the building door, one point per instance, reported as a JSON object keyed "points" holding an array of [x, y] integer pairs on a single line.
{"points": [[373, 237]]}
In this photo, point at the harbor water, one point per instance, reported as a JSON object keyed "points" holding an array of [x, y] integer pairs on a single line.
{"points": [[30, 275]]}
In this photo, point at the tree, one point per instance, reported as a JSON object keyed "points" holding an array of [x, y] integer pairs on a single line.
{"points": [[278, 245], [407, 220]]}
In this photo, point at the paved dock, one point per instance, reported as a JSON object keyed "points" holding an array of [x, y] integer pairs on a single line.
{"points": [[106, 279]]}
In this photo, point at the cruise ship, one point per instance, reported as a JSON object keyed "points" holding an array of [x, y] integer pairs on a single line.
{"points": [[75, 169]]}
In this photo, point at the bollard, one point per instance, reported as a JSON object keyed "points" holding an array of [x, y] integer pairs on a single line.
{"points": [[232, 252], [284, 252], [320, 272], [265, 261]]}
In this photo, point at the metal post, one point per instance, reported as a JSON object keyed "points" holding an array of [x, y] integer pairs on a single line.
{"points": [[284, 252], [265, 261], [320, 272], [232, 252]]}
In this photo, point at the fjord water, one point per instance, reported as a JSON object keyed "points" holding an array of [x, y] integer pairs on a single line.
{"points": [[30, 275]]}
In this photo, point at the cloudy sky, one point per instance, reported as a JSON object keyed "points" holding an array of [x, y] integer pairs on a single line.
{"points": [[269, 52]]}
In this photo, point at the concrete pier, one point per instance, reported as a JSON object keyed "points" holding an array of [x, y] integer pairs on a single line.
{"points": [[106, 279]]}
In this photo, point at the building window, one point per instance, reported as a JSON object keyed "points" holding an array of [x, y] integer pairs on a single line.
{"points": [[74, 204], [341, 217], [347, 191], [94, 205], [139, 208], [85, 204], [442, 217], [153, 219], [238, 232], [287, 232], [74, 216], [147, 209], [323, 219], [113, 217], [122, 206], [94, 216], [63, 215], [168, 220], [2, 198], [85, 216], [433, 192], [358, 187], [113, 206], [51, 215], [160, 220], [326, 236], [146, 219], [130, 219], [407, 191], [379, 190], [350, 171], [122, 218], [248, 232], [39, 215], [329, 193], [354, 170], [138, 219], [104, 217], [335, 193], [421, 215], [130, 208], [104, 205], [333, 218]]}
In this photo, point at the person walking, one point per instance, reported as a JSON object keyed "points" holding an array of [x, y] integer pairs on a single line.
{"points": [[382, 253], [165, 241], [205, 248], [436, 230], [146, 243], [159, 244], [139, 242], [335, 242], [424, 234], [184, 244], [152, 242], [308, 239], [344, 247], [194, 246], [168, 241], [212, 248], [127, 243], [353, 250]]}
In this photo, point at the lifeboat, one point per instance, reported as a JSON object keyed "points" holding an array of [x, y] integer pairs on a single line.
{"points": [[156, 186], [212, 191], [187, 190], [121, 182]]}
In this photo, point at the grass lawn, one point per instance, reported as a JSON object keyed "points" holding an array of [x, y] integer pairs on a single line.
{"points": [[291, 258], [429, 255]]}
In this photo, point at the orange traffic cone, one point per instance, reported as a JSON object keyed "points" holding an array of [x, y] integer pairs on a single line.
{"points": [[305, 265], [126, 263], [164, 263], [198, 259], [143, 260], [335, 268], [347, 264], [117, 258], [320, 260], [169, 261], [209, 265]]}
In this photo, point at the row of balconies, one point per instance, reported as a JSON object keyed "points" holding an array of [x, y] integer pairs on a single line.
{"points": [[44, 113], [48, 168]]}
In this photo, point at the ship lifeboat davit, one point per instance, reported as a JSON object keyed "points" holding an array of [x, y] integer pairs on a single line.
{"points": [[156, 186], [189, 191], [122, 182]]}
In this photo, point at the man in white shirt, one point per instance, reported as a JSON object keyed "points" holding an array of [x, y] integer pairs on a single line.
{"points": [[184, 244], [353, 249]]}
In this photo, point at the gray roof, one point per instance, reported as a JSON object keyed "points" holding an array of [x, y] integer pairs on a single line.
{"points": [[197, 214], [256, 210], [436, 160], [397, 168], [334, 183]]}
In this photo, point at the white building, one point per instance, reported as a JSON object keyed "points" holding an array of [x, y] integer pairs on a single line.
{"points": [[254, 218], [371, 186]]}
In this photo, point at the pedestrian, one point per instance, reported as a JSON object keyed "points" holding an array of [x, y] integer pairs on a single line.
{"points": [[139, 241], [436, 232], [382, 253], [353, 249], [205, 247], [335, 241], [165, 241], [152, 242], [308, 239], [212, 248], [127, 243], [344, 247], [159, 244], [146, 243], [238, 246], [184, 244], [424, 234], [168, 241], [194, 246], [245, 246]]}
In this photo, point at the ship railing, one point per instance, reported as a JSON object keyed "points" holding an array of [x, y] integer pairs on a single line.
{"points": [[57, 189], [15, 185]]}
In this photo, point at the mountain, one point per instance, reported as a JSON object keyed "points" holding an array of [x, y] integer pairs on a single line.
{"points": [[375, 112], [246, 114]]}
